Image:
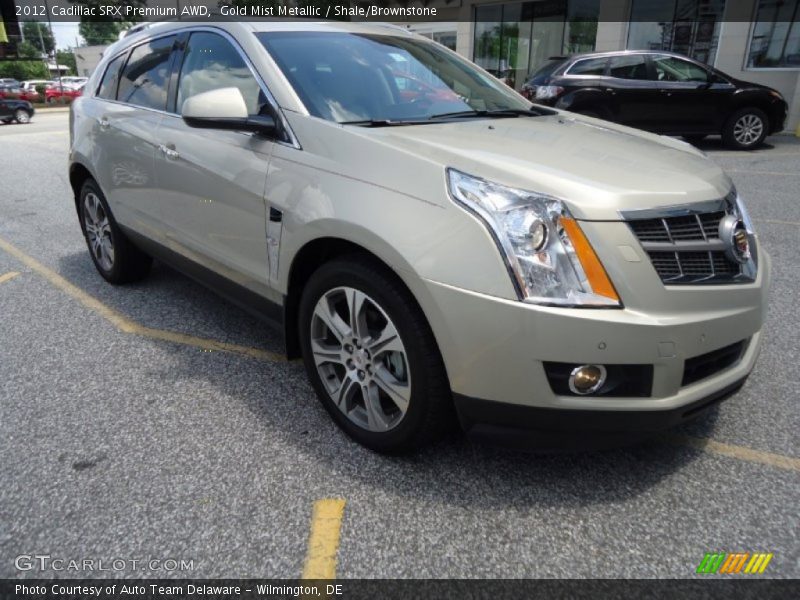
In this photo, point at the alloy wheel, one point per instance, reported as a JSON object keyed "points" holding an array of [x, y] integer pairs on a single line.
{"points": [[22, 117], [361, 359], [748, 129], [98, 231]]}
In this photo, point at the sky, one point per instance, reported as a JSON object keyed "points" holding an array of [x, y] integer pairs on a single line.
{"points": [[65, 34]]}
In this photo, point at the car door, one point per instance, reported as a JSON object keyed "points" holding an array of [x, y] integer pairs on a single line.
{"points": [[127, 108], [5, 110], [690, 95], [632, 91], [212, 182]]}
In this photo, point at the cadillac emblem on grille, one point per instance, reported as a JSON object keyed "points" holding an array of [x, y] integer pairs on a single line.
{"points": [[700, 243]]}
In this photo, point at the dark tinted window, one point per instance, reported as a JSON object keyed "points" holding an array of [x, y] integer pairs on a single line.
{"points": [[628, 67], [212, 63], [146, 75], [543, 72], [589, 66], [108, 87], [669, 68]]}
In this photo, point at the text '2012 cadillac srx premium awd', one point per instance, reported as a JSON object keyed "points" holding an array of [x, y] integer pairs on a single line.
{"points": [[436, 248]]}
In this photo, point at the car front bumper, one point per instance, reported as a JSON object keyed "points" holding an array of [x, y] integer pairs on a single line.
{"points": [[495, 352]]}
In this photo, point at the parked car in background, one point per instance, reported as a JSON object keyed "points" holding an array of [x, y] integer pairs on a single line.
{"points": [[20, 111], [662, 92], [57, 93], [71, 82], [9, 82], [32, 84], [12, 92]]}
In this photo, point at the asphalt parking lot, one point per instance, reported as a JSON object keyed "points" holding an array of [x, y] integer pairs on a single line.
{"points": [[156, 421]]}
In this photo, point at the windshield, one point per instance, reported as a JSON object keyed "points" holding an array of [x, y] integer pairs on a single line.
{"points": [[346, 77]]}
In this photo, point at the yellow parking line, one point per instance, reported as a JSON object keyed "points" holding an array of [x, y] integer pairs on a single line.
{"points": [[740, 452], [9, 275], [323, 541], [126, 325]]}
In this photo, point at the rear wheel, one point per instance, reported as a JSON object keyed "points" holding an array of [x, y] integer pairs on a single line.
{"points": [[115, 257], [371, 357], [22, 116], [746, 129]]}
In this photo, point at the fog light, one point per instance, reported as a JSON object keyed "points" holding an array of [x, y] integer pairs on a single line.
{"points": [[587, 379]]}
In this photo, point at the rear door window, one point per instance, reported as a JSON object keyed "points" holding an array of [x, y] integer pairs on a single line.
{"points": [[629, 66], [145, 78]]}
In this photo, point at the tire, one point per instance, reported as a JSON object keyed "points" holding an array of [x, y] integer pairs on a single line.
{"points": [[22, 117], [695, 138], [408, 365], [115, 257], [746, 129]]}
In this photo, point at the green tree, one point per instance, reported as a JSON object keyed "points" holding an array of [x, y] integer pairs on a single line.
{"points": [[67, 57], [27, 50], [105, 30], [39, 36], [23, 69]]}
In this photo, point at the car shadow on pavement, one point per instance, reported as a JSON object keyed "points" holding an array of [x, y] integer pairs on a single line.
{"points": [[456, 470]]}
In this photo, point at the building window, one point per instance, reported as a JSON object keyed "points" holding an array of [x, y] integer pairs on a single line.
{"points": [[775, 41], [514, 39], [688, 27]]}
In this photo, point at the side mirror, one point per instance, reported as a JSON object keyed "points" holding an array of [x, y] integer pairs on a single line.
{"points": [[224, 108]]}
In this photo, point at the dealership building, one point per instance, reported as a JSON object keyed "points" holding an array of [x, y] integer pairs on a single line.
{"points": [[754, 40]]}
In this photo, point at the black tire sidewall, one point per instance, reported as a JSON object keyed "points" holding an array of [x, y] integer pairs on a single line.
{"points": [[398, 306], [727, 134], [90, 186]]}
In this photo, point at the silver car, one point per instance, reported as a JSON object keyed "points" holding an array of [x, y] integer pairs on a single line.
{"points": [[435, 247]]}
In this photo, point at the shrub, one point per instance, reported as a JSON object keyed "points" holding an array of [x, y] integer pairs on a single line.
{"points": [[24, 69]]}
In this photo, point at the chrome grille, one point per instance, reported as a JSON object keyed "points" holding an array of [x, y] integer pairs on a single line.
{"points": [[683, 243]]}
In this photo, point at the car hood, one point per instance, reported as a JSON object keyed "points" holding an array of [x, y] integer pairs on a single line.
{"points": [[597, 167]]}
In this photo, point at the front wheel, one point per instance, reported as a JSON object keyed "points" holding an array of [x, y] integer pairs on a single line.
{"points": [[372, 358], [22, 117], [746, 129]]}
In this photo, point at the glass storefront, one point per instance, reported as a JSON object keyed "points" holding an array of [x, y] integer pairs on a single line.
{"points": [[513, 39], [775, 41], [689, 27]]}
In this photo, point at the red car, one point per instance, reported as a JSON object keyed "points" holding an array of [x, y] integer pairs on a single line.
{"points": [[56, 93], [15, 93]]}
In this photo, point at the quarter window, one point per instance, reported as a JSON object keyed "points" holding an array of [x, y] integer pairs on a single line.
{"points": [[212, 63], [589, 66], [628, 67], [146, 76], [669, 68], [108, 87]]}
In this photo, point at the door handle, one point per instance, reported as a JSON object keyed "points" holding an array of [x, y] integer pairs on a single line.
{"points": [[104, 123], [611, 90], [665, 92], [169, 151]]}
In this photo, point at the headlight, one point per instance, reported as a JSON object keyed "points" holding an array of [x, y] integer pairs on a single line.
{"points": [[545, 92], [549, 258]]}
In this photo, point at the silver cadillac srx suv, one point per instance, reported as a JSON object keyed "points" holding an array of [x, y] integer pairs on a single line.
{"points": [[435, 247]]}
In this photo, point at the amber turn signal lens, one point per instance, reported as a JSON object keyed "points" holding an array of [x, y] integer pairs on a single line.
{"points": [[595, 273]]}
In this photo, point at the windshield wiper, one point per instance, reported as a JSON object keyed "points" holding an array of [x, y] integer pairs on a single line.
{"points": [[380, 123], [500, 113]]}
